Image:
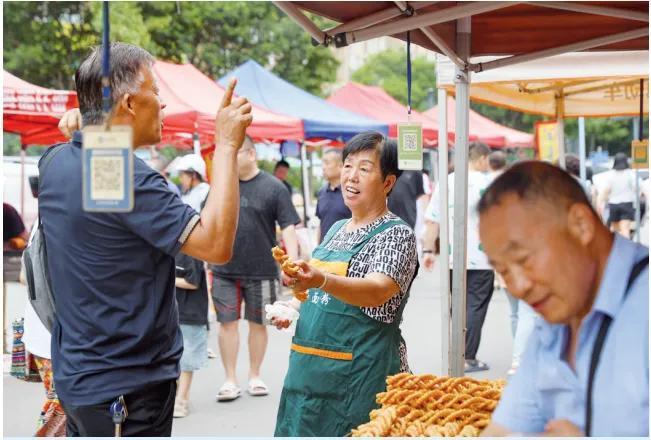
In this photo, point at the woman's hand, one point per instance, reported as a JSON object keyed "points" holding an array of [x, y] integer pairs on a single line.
{"points": [[282, 322], [307, 277]]}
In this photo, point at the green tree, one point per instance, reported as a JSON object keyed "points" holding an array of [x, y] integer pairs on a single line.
{"points": [[219, 36], [388, 69], [44, 42]]}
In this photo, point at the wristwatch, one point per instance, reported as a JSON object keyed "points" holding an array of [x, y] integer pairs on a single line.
{"points": [[428, 251]]}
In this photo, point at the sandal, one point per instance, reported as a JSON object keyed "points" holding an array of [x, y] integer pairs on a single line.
{"points": [[257, 387], [229, 391], [474, 365]]}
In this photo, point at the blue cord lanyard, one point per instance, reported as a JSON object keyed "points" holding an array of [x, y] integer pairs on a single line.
{"points": [[106, 85], [408, 75]]}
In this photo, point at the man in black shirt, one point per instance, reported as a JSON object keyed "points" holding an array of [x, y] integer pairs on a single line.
{"points": [[405, 195], [281, 171], [330, 206], [252, 274]]}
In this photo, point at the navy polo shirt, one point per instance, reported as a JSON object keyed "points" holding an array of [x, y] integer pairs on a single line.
{"points": [[330, 208], [112, 274]]}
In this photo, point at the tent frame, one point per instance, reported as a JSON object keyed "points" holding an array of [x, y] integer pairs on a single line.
{"points": [[453, 335]]}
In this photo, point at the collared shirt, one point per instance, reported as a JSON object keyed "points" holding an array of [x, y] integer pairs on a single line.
{"points": [[330, 208], [117, 327], [546, 388]]}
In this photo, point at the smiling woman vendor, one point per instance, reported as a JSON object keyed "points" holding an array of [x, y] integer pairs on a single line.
{"points": [[348, 337]]}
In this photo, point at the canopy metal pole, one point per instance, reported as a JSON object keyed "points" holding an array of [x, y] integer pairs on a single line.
{"points": [[297, 15], [560, 127], [462, 88], [444, 234], [637, 171], [462, 10], [23, 154], [582, 153], [304, 183]]}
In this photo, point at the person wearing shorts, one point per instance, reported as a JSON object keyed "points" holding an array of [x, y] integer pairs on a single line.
{"points": [[192, 299], [251, 277], [620, 195]]}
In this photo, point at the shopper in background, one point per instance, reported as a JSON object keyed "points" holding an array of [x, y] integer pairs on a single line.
{"points": [[192, 176], [330, 206], [281, 172], [252, 274], [619, 192], [480, 276]]}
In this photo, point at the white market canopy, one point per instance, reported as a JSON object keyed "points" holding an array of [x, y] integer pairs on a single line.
{"points": [[592, 84]]}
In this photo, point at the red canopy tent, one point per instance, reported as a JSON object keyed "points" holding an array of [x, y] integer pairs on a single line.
{"points": [[32, 111], [489, 132], [192, 99], [375, 103]]}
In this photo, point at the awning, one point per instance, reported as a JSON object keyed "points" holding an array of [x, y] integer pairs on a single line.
{"points": [[320, 119], [589, 84]]}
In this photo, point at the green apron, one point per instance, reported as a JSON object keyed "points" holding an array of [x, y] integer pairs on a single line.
{"points": [[340, 357]]}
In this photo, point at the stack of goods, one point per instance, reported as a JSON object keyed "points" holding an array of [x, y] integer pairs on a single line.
{"points": [[290, 268], [431, 406]]}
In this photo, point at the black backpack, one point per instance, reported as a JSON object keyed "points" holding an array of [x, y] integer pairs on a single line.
{"points": [[37, 274]]}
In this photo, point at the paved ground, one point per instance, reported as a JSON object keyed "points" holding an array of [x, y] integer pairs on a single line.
{"points": [[255, 416]]}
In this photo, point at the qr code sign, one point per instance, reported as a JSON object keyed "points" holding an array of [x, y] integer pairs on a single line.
{"points": [[107, 178], [410, 141]]}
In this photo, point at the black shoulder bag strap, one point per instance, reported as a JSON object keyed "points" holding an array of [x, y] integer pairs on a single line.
{"points": [[599, 344], [42, 166]]}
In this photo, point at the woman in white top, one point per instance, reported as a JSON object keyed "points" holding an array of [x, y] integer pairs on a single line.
{"points": [[620, 194]]}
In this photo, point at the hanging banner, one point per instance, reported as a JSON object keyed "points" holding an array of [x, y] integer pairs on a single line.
{"points": [[640, 154], [107, 163], [410, 146], [547, 140]]}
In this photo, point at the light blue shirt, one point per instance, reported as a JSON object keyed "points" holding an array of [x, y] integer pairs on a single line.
{"points": [[546, 388]]}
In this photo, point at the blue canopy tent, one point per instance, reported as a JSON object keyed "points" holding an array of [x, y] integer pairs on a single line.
{"points": [[320, 118]]}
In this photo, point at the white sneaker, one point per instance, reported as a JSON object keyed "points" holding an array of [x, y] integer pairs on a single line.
{"points": [[513, 369], [211, 354]]}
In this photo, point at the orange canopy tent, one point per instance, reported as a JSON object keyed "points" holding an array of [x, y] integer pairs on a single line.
{"points": [[485, 130], [32, 111]]}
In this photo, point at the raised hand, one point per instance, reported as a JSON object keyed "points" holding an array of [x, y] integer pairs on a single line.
{"points": [[233, 117], [70, 122]]}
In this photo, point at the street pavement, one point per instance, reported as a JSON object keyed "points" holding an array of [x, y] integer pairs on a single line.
{"points": [[256, 416]]}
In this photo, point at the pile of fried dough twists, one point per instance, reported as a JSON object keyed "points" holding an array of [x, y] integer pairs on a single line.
{"points": [[431, 406]]}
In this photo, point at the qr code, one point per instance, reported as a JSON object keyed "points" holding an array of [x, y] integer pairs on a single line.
{"points": [[410, 141], [107, 178]]}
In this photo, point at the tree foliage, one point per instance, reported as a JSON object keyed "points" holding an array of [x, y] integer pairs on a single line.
{"points": [[44, 42], [388, 69]]}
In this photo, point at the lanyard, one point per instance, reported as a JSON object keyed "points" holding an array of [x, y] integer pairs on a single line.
{"points": [[106, 84], [408, 75]]}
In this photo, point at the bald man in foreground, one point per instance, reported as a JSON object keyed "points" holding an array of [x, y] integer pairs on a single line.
{"points": [[586, 367]]}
